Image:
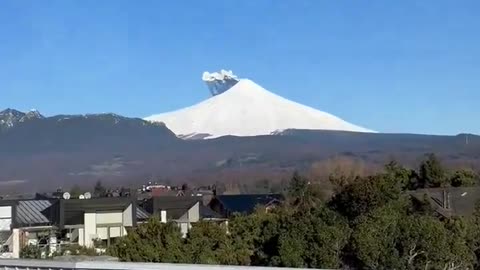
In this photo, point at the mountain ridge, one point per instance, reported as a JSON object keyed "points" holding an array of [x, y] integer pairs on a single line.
{"points": [[64, 150], [10, 117], [62, 132]]}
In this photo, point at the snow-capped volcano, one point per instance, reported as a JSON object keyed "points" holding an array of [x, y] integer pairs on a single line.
{"points": [[240, 107]]}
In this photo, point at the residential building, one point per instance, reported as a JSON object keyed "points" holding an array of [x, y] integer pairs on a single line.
{"points": [[7, 213], [227, 205], [450, 201], [183, 210], [102, 219], [56, 222]]}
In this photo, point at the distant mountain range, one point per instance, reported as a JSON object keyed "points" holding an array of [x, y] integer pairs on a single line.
{"points": [[11, 117], [39, 152], [32, 132]]}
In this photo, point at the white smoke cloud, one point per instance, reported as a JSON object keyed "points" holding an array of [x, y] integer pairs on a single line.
{"points": [[219, 82], [219, 76]]}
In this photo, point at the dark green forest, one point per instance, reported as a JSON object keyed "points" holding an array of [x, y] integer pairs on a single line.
{"points": [[369, 223]]}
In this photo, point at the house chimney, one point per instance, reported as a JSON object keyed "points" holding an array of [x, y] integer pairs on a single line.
{"points": [[163, 216]]}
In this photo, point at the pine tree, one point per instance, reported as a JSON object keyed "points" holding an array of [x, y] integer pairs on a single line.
{"points": [[99, 190], [432, 173]]}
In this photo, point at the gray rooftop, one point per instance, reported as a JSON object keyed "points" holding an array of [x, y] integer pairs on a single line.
{"points": [[207, 213], [33, 212], [450, 201]]}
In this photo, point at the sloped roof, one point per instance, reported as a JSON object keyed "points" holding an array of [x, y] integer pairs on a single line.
{"points": [[176, 207], [460, 201], [45, 212], [74, 209], [246, 203], [110, 203], [207, 213], [35, 213]]}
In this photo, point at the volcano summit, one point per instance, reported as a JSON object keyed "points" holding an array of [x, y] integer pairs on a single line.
{"points": [[240, 107]]}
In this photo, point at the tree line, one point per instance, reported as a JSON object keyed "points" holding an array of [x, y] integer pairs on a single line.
{"points": [[369, 223]]}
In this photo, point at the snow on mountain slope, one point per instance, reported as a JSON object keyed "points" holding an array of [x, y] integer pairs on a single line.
{"points": [[10, 117], [247, 109]]}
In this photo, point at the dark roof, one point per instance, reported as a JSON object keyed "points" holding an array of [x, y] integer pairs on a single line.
{"points": [[103, 204], [30, 213], [8, 203], [74, 209], [176, 207], [207, 213], [16, 197], [142, 214], [451, 201], [246, 203], [34, 213]]}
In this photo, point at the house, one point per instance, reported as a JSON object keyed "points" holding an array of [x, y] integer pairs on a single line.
{"points": [[99, 219], [36, 222], [207, 214], [183, 210], [7, 213], [450, 201], [56, 222], [227, 205], [24, 222]]}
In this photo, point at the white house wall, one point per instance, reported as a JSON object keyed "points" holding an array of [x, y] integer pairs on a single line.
{"points": [[105, 232], [102, 232], [81, 237], [16, 243], [163, 216], [109, 218], [102, 225], [5, 211], [90, 228], [5, 224], [128, 216], [5, 218], [192, 215], [184, 228], [115, 232]]}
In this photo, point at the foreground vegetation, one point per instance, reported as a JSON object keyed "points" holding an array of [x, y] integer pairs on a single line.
{"points": [[370, 223]]}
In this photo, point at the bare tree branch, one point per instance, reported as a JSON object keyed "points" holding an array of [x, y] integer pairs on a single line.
{"points": [[412, 254], [426, 265]]}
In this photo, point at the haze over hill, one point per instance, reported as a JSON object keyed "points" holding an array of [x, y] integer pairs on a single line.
{"points": [[240, 107]]}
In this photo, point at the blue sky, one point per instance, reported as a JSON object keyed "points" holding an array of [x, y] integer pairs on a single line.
{"points": [[392, 66]]}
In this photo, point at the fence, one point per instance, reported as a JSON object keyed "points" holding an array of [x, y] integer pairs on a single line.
{"points": [[91, 265]]}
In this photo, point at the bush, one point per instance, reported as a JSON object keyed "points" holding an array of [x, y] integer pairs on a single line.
{"points": [[74, 250], [31, 252]]}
